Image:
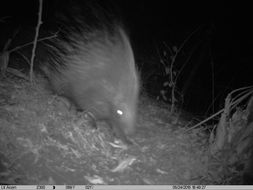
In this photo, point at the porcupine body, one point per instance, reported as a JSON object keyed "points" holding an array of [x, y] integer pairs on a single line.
{"points": [[92, 64]]}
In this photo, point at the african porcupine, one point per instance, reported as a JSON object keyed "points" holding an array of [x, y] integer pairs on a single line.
{"points": [[92, 63]]}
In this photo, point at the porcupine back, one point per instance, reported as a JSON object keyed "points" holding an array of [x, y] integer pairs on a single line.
{"points": [[94, 66]]}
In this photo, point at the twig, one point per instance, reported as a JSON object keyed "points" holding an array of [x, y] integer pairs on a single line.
{"points": [[24, 57], [17, 73], [233, 105], [36, 38], [30, 43]]}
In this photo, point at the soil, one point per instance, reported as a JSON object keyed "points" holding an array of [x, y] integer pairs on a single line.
{"points": [[43, 140]]}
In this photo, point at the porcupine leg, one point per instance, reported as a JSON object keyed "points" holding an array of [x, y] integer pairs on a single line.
{"points": [[92, 119]]}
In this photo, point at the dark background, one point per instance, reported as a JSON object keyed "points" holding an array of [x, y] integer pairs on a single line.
{"points": [[221, 47]]}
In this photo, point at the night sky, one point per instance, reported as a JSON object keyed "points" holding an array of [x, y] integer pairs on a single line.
{"points": [[224, 38]]}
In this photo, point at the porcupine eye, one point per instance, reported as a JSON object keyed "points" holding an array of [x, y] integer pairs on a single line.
{"points": [[120, 112]]}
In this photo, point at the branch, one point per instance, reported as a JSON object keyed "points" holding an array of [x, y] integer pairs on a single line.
{"points": [[36, 38]]}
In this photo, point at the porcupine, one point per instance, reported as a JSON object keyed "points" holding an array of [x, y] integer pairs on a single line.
{"points": [[91, 62]]}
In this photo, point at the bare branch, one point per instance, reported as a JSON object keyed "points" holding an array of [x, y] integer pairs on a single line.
{"points": [[36, 38]]}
